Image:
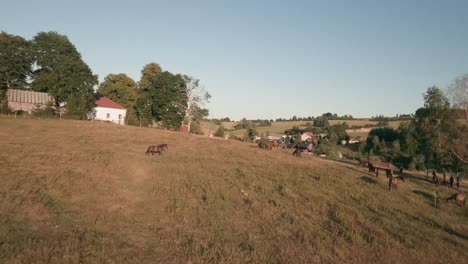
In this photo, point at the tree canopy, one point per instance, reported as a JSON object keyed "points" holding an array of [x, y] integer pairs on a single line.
{"points": [[62, 73], [119, 88], [162, 95], [15, 61]]}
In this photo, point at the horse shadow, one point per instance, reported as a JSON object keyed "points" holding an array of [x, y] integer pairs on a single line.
{"points": [[369, 180]]}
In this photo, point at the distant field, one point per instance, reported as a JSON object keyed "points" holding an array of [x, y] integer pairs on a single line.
{"points": [[278, 128], [362, 122], [84, 192]]}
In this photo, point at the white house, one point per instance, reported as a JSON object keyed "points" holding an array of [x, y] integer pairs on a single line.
{"points": [[108, 110]]}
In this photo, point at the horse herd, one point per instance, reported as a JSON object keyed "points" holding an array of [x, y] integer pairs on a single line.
{"points": [[297, 149], [393, 181]]}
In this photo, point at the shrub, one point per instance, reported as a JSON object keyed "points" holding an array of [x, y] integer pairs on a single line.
{"points": [[47, 112], [219, 132], [195, 128]]}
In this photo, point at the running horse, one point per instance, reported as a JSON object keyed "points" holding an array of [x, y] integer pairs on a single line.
{"points": [[152, 149]]}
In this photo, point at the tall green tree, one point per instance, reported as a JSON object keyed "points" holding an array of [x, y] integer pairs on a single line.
{"points": [[63, 74], [119, 88], [431, 124], [144, 102], [162, 94], [15, 63]]}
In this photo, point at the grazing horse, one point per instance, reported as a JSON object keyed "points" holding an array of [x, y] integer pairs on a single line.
{"points": [[265, 145], [458, 197], [389, 173], [297, 152], [393, 182], [275, 144], [373, 169], [437, 180]]}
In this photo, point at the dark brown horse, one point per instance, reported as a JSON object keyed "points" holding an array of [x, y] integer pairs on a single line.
{"points": [[393, 182], [163, 146], [458, 197], [297, 152], [152, 149]]}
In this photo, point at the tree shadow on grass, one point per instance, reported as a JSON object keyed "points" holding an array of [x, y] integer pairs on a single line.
{"points": [[369, 180], [417, 178], [433, 223], [424, 194]]}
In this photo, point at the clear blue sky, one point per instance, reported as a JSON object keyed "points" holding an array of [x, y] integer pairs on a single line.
{"points": [[269, 59]]}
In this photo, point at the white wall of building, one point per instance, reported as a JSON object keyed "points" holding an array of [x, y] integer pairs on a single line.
{"points": [[110, 114]]}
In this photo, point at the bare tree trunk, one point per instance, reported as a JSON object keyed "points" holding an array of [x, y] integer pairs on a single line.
{"points": [[188, 125]]}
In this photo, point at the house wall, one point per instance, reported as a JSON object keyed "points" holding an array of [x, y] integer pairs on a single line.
{"points": [[110, 114], [27, 107]]}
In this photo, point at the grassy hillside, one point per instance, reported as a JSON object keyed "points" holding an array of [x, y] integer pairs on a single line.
{"points": [[74, 192]]}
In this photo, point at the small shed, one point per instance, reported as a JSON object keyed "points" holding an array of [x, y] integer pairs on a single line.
{"points": [[108, 110], [27, 101]]}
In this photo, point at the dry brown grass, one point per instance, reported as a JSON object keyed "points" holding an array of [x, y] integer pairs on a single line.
{"points": [[75, 192]]}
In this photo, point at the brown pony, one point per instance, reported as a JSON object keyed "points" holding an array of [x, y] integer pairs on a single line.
{"points": [[458, 197], [393, 182]]}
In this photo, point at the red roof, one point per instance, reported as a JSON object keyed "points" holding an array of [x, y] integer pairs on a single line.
{"points": [[107, 103]]}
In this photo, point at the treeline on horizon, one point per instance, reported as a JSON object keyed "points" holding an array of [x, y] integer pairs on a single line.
{"points": [[50, 63], [328, 116]]}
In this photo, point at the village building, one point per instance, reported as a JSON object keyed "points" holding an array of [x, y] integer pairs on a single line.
{"points": [[108, 110], [306, 136], [27, 101]]}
